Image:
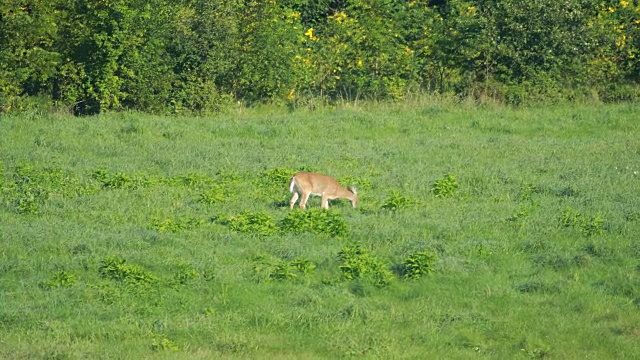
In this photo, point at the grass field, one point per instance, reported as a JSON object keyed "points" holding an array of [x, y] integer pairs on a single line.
{"points": [[135, 236]]}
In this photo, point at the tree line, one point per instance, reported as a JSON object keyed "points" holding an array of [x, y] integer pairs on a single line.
{"points": [[200, 55]]}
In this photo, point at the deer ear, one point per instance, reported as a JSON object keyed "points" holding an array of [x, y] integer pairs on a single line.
{"points": [[352, 189]]}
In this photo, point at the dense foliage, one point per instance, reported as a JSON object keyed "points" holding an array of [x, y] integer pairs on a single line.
{"points": [[198, 55]]}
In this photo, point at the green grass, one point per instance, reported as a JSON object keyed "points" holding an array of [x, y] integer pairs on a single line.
{"points": [[134, 236]]}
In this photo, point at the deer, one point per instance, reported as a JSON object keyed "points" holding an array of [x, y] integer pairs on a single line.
{"points": [[305, 184]]}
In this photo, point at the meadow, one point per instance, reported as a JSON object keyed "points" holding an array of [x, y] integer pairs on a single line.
{"points": [[482, 232]]}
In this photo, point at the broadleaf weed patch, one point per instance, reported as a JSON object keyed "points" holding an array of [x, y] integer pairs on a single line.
{"points": [[418, 264], [274, 182], [30, 188], [61, 278], [185, 274], [117, 269], [275, 177], [213, 195], [396, 201], [265, 268], [259, 223], [360, 183], [317, 221], [163, 343], [120, 180], [28, 199], [445, 187], [358, 263], [586, 225]]}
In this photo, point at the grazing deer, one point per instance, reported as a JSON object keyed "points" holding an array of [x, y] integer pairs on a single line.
{"points": [[306, 184]]}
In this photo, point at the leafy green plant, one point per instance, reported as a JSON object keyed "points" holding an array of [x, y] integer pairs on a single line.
{"points": [[593, 225], [419, 264], [586, 225], [396, 201], [28, 199], [259, 223], [276, 176], [303, 266], [445, 187], [291, 269], [185, 274], [357, 182], [166, 225], [115, 268], [358, 263], [570, 218], [273, 181], [31, 187], [317, 221], [283, 270], [163, 343], [211, 196], [119, 180], [60, 278]]}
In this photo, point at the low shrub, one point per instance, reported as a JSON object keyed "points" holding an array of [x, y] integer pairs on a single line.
{"points": [[117, 269], [119, 180], [397, 201], [358, 263], [259, 223], [276, 177], [418, 264], [282, 270], [317, 221], [445, 187]]}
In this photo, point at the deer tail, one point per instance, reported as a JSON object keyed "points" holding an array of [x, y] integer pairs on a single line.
{"points": [[292, 184]]}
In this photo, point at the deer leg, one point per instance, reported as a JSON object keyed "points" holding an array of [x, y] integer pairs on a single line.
{"points": [[294, 198], [325, 201], [305, 198]]}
